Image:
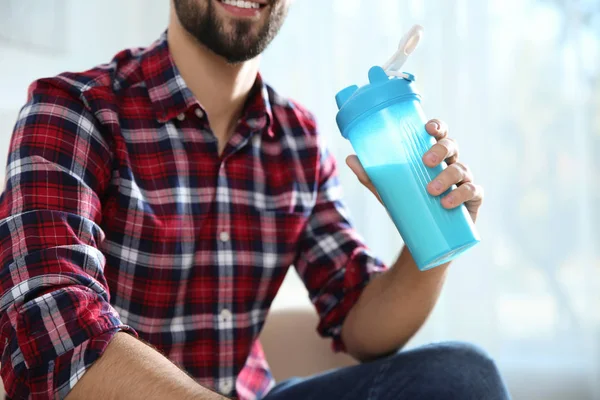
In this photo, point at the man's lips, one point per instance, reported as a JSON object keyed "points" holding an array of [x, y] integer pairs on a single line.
{"points": [[243, 8]]}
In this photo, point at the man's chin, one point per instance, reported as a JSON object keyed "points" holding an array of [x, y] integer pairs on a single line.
{"points": [[238, 53]]}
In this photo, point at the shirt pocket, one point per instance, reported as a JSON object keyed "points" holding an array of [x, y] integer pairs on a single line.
{"points": [[278, 211]]}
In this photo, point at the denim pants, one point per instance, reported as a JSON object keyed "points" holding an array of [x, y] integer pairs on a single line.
{"points": [[439, 371]]}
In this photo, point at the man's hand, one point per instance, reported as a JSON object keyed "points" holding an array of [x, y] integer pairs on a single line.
{"points": [[446, 149]]}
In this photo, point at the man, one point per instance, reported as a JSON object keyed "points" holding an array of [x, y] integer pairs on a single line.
{"points": [[153, 206]]}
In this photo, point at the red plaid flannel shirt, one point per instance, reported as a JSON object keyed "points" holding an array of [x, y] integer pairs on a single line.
{"points": [[119, 214]]}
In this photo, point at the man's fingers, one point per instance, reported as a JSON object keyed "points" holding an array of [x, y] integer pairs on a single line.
{"points": [[469, 194], [356, 167], [444, 149], [455, 174], [436, 128]]}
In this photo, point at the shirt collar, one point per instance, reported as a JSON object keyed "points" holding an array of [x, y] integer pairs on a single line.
{"points": [[170, 95]]}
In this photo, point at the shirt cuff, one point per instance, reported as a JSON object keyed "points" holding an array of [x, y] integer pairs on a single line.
{"points": [[342, 293], [58, 337]]}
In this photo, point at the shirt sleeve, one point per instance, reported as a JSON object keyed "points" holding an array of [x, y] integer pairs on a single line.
{"points": [[333, 262], [55, 315]]}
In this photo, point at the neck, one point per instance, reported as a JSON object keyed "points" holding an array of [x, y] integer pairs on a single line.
{"points": [[222, 88]]}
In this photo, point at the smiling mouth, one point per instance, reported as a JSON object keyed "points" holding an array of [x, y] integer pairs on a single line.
{"points": [[243, 4]]}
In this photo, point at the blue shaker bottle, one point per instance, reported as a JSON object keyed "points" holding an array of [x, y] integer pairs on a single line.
{"points": [[385, 123]]}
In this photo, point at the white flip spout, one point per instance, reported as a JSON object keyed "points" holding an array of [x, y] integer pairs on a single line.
{"points": [[408, 44]]}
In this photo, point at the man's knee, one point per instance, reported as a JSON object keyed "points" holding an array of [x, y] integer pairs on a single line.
{"points": [[460, 354], [454, 370]]}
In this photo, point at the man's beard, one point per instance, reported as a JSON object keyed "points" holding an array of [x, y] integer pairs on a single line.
{"points": [[242, 42]]}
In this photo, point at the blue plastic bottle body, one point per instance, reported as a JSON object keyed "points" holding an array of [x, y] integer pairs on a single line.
{"points": [[390, 144]]}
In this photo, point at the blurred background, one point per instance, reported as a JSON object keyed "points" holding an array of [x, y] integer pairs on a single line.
{"points": [[518, 82]]}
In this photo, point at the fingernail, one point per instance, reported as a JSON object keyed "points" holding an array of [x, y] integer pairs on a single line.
{"points": [[432, 158], [434, 125], [437, 185], [450, 199]]}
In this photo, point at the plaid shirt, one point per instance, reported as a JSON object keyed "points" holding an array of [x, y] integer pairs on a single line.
{"points": [[120, 215]]}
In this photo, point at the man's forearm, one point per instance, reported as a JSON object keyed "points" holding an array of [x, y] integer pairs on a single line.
{"points": [[129, 369], [392, 308]]}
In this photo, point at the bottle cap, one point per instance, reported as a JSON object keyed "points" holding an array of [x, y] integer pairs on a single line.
{"points": [[355, 103]]}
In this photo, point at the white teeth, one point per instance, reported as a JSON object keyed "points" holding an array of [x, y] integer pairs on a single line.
{"points": [[241, 3]]}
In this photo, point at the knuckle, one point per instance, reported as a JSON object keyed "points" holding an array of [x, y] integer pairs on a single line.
{"points": [[454, 145], [479, 191], [456, 170], [468, 174], [469, 187], [449, 144], [465, 172], [443, 146], [460, 167]]}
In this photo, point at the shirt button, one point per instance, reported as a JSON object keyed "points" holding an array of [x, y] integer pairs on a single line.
{"points": [[199, 113], [226, 315], [224, 237], [181, 117], [226, 385]]}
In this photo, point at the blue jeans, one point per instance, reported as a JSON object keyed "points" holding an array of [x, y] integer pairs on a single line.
{"points": [[438, 371]]}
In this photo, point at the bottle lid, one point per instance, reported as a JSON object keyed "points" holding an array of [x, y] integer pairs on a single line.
{"points": [[355, 103]]}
